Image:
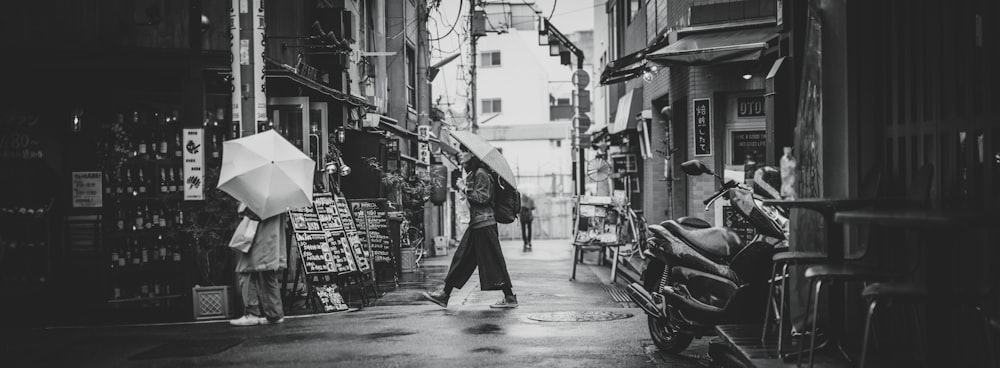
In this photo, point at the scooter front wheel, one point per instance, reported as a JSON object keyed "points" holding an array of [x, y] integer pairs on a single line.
{"points": [[665, 336]]}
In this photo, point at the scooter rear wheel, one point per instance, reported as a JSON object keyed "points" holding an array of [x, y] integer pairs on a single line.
{"points": [[663, 334], [665, 337]]}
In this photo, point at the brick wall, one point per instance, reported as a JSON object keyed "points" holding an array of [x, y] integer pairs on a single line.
{"points": [[705, 82]]}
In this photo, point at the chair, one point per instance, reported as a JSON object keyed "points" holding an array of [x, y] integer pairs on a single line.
{"points": [[918, 193], [870, 187]]}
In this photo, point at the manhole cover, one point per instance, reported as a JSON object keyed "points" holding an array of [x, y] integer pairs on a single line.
{"points": [[579, 316]]}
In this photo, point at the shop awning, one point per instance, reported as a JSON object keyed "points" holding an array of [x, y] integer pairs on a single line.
{"points": [[715, 47], [631, 65], [391, 125], [276, 69], [628, 105]]}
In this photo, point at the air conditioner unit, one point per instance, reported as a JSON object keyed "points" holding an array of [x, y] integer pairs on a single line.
{"points": [[371, 120]]}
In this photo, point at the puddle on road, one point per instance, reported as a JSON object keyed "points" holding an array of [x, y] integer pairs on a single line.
{"points": [[388, 334], [485, 329], [490, 350]]}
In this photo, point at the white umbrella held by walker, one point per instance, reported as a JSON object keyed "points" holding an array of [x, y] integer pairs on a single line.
{"points": [[486, 153], [267, 173]]}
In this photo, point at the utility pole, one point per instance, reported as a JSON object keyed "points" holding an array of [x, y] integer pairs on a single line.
{"points": [[474, 34], [247, 47]]}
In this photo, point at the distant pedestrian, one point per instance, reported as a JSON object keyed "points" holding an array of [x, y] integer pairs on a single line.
{"points": [[257, 271], [526, 216], [480, 246]]}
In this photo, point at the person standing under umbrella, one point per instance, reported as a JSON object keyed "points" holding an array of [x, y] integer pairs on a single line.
{"points": [[480, 246], [257, 271]]}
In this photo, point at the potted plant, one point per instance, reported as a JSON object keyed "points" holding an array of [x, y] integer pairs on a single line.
{"points": [[208, 227]]}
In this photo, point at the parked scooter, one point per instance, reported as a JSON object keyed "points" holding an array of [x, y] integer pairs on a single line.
{"points": [[701, 276]]}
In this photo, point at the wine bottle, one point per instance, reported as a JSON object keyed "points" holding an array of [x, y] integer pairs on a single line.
{"points": [[173, 180], [114, 258], [177, 252], [142, 182], [163, 218], [145, 254], [178, 146], [138, 218], [142, 148], [148, 221], [163, 180], [155, 217], [120, 183], [216, 148], [163, 146], [121, 220], [108, 184], [163, 250], [136, 255], [129, 188]]}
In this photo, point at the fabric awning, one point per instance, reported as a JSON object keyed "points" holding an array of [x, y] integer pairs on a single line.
{"points": [[628, 105], [715, 47]]}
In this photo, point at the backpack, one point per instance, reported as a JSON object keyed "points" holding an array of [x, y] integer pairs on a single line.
{"points": [[506, 201]]}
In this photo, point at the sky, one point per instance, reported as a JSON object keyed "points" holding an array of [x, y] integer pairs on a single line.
{"points": [[569, 16]]}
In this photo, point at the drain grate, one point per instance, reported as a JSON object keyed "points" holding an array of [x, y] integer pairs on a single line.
{"points": [[579, 316], [617, 293]]}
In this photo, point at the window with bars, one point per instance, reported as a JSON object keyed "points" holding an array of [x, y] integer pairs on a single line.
{"points": [[489, 59], [491, 106]]}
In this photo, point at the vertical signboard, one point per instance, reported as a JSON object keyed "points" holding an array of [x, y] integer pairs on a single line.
{"points": [[423, 144], [260, 100], [87, 189], [702, 127], [235, 60], [194, 164]]}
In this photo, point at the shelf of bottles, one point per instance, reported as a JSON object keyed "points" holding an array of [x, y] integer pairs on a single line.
{"points": [[145, 209], [25, 239]]}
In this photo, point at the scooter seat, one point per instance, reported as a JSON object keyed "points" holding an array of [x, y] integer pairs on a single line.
{"points": [[716, 242], [690, 222]]}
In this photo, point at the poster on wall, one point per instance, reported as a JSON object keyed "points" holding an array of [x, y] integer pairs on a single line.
{"points": [[747, 142], [87, 189], [260, 98], [236, 59], [702, 127], [194, 164]]}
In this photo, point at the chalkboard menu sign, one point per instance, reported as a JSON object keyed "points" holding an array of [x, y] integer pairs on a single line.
{"points": [[330, 298], [373, 228], [323, 244], [361, 253], [702, 127], [733, 220]]}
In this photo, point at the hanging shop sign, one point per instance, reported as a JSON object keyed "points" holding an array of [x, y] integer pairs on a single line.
{"points": [[260, 98], [194, 164], [750, 106], [87, 189], [236, 58], [702, 127]]}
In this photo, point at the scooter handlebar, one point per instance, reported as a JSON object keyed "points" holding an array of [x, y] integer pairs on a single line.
{"points": [[725, 188]]}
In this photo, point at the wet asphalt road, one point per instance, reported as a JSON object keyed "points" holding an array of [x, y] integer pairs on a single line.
{"points": [[397, 330]]}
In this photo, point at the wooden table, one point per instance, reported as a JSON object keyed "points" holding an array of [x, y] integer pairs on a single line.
{"points": [[935, 227]]}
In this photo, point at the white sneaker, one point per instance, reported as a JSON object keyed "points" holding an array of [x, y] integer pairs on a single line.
{"points": [[265, 321], [247, 320]]}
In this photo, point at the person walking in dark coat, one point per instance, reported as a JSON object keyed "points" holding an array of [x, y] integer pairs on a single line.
{"points": [[526, 216], [480, 246]]}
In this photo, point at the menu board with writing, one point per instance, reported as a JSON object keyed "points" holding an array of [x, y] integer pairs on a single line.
{"points": [[361, 253], [330, 298], [373, 229], [733, 220], [320, 252], [747, 142]]}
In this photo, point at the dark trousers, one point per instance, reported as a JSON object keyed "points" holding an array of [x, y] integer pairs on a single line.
{"points": [[261, 294], [479, 248], [526, 230]]}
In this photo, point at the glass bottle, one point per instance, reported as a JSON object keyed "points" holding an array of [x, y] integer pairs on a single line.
{"points": [[145, 254], [142, 182], [120, 187], [121, 220], [129, 188], [178, 146], [148, 221], [163, 250], [155, 217], [787, 168], [136, 253], [164, 149], [138, 218], [163, 180]]}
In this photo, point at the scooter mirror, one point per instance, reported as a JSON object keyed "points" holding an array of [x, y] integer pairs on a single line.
{"points": [[695, 168]]}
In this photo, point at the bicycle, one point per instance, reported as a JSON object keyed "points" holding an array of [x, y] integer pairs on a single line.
{"points": [[415, 238], [632, 231]]}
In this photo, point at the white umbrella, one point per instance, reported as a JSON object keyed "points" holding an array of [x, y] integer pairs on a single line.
{"points": [[486, 153], [267, 173]]}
